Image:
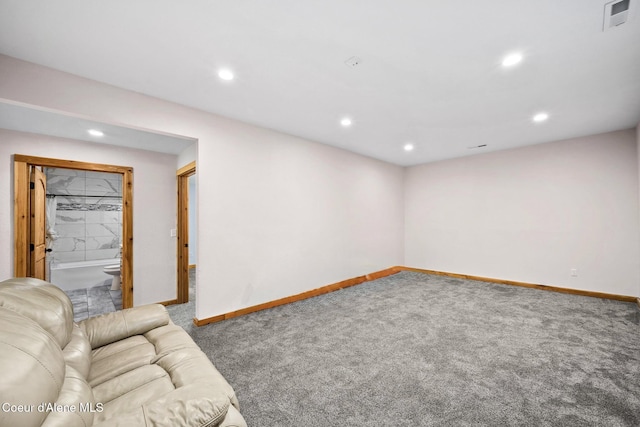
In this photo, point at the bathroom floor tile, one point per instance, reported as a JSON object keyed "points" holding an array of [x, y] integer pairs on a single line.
{"points": [[101, 299]]}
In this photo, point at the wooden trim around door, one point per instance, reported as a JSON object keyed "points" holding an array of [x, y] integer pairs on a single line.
{"points": [[21, 164], [20, 219], [182, 233]]}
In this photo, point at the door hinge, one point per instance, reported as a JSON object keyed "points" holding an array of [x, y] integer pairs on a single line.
{"points": [[32, 185], [31, 247]]}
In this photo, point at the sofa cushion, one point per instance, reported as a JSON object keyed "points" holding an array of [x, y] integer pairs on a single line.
{"points": [[130, 391], [32, 369], [197, 405], [128, 382], [130, 374], [42, 302], [117, 358]]}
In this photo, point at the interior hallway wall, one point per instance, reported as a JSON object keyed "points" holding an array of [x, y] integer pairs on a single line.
{"points": [[532, 214], [278, 215], [154, 205]]}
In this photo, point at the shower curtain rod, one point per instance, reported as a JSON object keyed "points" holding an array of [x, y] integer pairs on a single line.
{"points": [[78, 195]]}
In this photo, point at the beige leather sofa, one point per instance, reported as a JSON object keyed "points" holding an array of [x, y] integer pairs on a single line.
{"points": [[128, 368]]}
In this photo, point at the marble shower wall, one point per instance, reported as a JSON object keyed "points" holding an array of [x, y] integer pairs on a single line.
{"points": [[89, 214]]}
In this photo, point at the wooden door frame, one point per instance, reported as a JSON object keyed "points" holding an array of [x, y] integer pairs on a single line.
{"points": [[37, 223], [182, 233], [21, 165]]}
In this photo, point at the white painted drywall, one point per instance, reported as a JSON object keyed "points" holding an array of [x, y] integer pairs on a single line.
{"points": [[154, 205], [278, 215], [532, 214], [295, 215]]}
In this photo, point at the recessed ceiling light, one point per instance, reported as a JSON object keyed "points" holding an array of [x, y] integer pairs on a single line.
{"points": [[408, 147], [95, 132], [226, 74], [512, 59], [540, 117], [346, 122]]}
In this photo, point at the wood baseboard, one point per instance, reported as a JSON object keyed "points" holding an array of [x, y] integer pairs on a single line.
{"points": [[170, 302], [393, 270], [527, 285], [299, 297], [192, 266]]}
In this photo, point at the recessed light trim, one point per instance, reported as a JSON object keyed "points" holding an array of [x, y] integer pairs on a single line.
{"points": [[226, 74], [95, 132], [540, 117], [409, 147], [346, 122], [512, 59]]}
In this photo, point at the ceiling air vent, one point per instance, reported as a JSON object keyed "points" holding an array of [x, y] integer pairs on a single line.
{"points": [[615, 13], [354, 61]]}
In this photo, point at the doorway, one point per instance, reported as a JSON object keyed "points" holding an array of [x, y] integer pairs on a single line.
{"points": [[182, 234], [29, 226]]}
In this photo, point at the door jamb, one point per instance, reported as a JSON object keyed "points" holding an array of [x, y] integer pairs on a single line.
{"points": [[182, 233], [21, 164]]}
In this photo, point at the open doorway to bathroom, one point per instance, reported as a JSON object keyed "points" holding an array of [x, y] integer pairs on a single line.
{"points": [[90, 205], [83, 224]]}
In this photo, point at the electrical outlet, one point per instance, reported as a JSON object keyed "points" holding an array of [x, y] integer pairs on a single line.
{"points": [[574, 272]]}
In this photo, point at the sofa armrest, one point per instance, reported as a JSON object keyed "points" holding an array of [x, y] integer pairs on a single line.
{"points": [[111, 327], [195, 405]]}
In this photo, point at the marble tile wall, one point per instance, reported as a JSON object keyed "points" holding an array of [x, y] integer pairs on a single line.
{"points": [[88, 218]]}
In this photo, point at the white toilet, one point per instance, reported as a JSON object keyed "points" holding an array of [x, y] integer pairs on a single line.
{"points": [[114, 270]]}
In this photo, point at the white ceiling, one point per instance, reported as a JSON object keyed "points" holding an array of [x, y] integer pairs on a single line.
{"points": [[430, 71]]}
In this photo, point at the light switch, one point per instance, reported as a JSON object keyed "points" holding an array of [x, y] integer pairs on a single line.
{"points": [[172, 232]]}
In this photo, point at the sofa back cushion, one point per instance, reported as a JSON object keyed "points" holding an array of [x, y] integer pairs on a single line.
{"points": [[42, 302], [32, 370]]}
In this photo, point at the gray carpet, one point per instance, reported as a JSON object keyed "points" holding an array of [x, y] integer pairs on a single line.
{"points": [[421, 350], [183, 314]]}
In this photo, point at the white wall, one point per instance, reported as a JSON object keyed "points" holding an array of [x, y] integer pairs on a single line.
{"points": [[278, 215], [154, 205], [297, 215], [532, 214]]}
